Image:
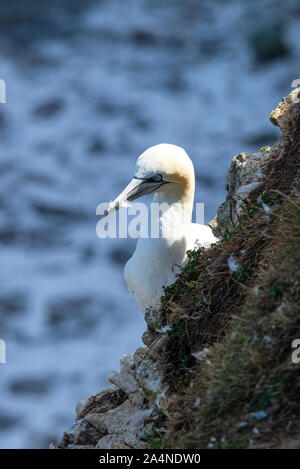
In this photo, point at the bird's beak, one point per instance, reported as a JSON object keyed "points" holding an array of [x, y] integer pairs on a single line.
{"points": [[135, 189]]}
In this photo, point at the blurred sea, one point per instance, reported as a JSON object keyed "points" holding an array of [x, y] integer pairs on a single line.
{"points": [[90, 85]]}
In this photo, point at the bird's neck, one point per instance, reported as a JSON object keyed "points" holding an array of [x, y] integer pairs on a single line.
{"points": [[172, 209]]}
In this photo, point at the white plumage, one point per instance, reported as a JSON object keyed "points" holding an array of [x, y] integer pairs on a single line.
{"points": [[166, 171]]}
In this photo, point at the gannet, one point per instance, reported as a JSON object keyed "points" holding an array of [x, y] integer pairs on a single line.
{"points": [[167, 172]]}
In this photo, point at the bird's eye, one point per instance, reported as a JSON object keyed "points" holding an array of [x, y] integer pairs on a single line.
{"points": [[157, 178]]}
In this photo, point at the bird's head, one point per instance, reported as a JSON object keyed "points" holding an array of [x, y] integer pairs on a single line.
{"points": [[161, 168]]}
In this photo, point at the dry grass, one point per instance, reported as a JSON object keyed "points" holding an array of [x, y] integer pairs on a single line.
{"points": [[247, 386]]}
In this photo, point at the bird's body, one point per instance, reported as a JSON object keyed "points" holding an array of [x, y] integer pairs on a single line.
{"points": [[157, 260]]}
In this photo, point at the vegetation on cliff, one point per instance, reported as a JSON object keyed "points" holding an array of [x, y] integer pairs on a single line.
{"points": [[244, 390], [234, 313]]}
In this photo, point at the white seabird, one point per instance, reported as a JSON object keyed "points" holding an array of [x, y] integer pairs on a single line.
{"points": [[166, 171]]}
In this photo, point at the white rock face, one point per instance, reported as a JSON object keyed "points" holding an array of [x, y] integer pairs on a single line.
{"points": [[246, 171], [244, 176], [121, 415], [121, 424], [125, 379]]}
